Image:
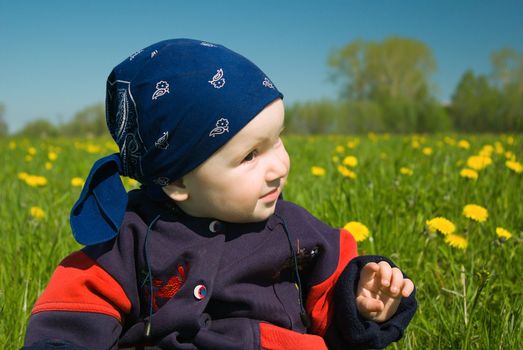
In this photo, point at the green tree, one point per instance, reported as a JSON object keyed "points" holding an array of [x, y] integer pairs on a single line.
{"points": [[89, 122], [394, 68], [387, 86], [507, 75], [39, 128], [4, 129]]}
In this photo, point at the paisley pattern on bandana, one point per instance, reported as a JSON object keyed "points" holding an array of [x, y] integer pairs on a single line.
{"points": [[123, 125]]}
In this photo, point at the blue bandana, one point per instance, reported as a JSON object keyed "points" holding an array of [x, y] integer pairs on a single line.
{"points": [[169, 107]]}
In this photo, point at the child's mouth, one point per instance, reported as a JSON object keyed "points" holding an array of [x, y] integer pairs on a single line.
{"points": [[270, 196]]}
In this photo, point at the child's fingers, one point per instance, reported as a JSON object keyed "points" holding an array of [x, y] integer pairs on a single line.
{"points": [[368, 272], [369, 304], [396, 282], [408, 287], [385, 273]]}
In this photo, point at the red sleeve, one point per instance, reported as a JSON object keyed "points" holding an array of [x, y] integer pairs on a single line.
{"points": [[319, 303], [80, 284]]}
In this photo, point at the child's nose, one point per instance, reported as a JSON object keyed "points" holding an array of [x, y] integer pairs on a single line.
{"points": [[278, 165]]}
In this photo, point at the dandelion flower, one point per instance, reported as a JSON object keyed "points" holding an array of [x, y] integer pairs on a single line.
{"points": [[441, 225], [510, 155], [502, 233], [28, 157], [478, 162], [318, 171], [469, 174], [77, 182], [464, 144], [514, 166], [415, 144], [31, 151], [12, 145], [510, 140], [359, 231], [456, 241], [340, 149], [499, 147], [352, 144], [475, 212], [346, 172], [52, 155], [93, 149], [35, 180], [48, 165], [22, 175], [350, 161], [427, 151], [449, 141], [335, 159], [37, 213], [406, 171]]}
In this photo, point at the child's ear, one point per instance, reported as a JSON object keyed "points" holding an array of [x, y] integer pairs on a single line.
{"points": [[177, 190]]}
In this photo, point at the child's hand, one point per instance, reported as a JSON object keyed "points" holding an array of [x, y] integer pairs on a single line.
{"points": [[380, 289]]}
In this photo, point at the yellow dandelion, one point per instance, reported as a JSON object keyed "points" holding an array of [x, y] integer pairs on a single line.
{"points": [[449, 140], [478, 162], [48, 165], [31, 151], [456, 241], [469, 174], [318, 171], [487, 150], [335, 159], [441, 225], [510, 140], [406, 171], [346, 172], [464, 144], [22, 175], [52, 155], [514, 166], [12, 145], [475, 212], [502, 233], [28, 158], [93, 149], [353, 144], [383, 155], [427, 151], [340, 149], [499, 147], [510, 155], [359, 231], [77, 182], [350, 161], [35, 180], [415, 144], [37, 212]]}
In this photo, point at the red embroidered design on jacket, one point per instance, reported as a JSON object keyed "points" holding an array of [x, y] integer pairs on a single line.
{"points": [[165, 290]]}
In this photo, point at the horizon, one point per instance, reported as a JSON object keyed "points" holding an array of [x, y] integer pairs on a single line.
{"points": [[56, 58]]}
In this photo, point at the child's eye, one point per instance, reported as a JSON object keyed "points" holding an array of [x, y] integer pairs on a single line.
{"points": [[250, 156]]}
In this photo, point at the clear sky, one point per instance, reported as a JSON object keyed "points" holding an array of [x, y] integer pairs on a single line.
{"points": [[55, 55]]}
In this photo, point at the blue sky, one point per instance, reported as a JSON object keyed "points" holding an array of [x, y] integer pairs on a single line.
{"points": [[56, 55]]}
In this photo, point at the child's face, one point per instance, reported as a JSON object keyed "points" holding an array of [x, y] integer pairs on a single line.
{"points": [[241, 182]]}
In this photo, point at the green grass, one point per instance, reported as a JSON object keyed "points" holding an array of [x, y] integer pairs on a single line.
{"points": [[468, 299]]}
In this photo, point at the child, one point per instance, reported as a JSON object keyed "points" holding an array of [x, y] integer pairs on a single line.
{"points": [[207, 254]]}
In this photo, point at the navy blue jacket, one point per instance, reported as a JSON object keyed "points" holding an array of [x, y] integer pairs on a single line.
{"points": [[174, 281]]}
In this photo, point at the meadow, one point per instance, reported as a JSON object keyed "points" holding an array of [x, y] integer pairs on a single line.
{"points": [[447, 209]]}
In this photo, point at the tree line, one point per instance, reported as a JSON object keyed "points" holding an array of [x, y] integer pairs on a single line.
{"points": [[384, 86]]}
